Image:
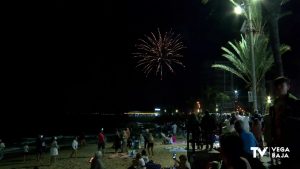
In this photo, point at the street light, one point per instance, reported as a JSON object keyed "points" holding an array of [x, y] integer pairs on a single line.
{"points": [[248, 11], [238, 10], [269, 101]]}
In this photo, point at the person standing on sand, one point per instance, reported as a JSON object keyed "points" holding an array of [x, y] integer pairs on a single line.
{"points": [[39, 147], [2, 147], [97, 162], [101, 141], [74, 147], [26, 151], [128, 137], [146, 139], [150, 144], [82, 139], [124, 141], [117, 141], [53, 150]]}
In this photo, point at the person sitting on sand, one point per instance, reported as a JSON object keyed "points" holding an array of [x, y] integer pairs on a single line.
{"points": [[141, 162], [145, 156], [97, 162], [166, 140], [183, 163]]}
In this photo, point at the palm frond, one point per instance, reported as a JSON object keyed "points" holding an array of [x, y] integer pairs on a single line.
{"points": [[231, 70]]}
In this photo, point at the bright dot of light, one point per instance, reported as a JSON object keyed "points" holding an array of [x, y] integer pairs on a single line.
{"points": [[238, 10], [269, 99]]}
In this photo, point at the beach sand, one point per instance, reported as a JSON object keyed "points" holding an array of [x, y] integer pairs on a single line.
{"points": [[162, 155]]}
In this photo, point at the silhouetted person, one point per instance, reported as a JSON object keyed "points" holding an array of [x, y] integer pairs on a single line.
{"points": [[39, 147], [150, 144], [285, 121], [2, 147], [124, 141], [82, 139], [182, 163], [146, 139], [25, 151], [231, 147], [208, 125], [101, 142], [117, 141], [193, 126]]}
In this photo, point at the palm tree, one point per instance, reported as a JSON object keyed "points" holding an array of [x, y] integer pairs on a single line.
{"points": [[273, 12], [239, 56]]}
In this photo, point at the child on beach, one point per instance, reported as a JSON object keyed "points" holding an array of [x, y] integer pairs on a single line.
{"points": [[53, 150], [26, 151], [74, 147]]}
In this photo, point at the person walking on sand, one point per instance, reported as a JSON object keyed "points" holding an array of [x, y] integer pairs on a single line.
{"points": [[101, 141], [74, 147], [53, 150], [150, 144], [2, 147], [26, 151]]}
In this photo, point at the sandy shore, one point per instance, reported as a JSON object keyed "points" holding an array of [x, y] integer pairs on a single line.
{"points": [[162, 155]]}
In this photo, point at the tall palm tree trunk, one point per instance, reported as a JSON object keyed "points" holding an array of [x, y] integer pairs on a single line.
{"points": [[273, 9], [275, 44]]}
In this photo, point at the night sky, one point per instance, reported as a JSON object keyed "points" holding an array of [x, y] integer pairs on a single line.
{"points": [[78, 57]]}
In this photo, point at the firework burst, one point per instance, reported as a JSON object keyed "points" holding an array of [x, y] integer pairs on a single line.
{"points": [[157, 52]]}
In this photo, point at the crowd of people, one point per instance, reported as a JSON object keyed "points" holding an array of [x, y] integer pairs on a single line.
{"points": [[238, 133], [275, 129]]}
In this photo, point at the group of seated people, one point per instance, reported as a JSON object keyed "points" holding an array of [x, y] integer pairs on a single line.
{"points": [[142, 161], [235, 150]]}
